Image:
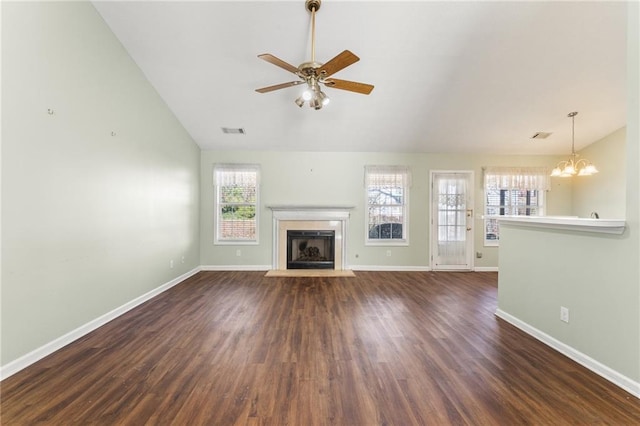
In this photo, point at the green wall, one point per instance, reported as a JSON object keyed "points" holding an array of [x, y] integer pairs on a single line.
{"points": [[320, 178], [90, 220], [604, 192], [596, 276]]}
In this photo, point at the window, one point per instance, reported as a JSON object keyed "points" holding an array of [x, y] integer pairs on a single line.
{"points": [[387, 189], [236, 198], [512, 191]]}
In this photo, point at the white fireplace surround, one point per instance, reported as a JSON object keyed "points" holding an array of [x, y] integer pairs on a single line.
{"points": [[309, 218]]}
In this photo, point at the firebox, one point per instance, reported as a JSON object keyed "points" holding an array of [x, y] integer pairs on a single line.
{"points": [[310, 249]]}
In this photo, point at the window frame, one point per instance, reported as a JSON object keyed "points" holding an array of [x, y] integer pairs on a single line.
{"points": [[404, 241], [242, 168]]}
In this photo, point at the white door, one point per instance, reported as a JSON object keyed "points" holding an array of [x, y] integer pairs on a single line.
{"points": [[451, 220]]}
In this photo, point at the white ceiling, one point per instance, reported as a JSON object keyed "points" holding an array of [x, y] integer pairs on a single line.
{"points": [[449, 76]]}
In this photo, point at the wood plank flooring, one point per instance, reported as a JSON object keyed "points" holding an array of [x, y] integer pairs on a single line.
{"points": [[383, 348]]}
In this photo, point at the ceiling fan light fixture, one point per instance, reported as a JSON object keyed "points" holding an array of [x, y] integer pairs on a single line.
{"points": [[319, 99], [324, 99], [314, 95]]}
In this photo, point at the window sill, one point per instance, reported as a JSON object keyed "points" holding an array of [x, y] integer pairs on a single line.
{"points": [[236, 243], [387, 243]]}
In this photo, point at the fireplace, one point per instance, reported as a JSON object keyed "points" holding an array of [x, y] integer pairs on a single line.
{"points": [[310, 218], [309, 249]]}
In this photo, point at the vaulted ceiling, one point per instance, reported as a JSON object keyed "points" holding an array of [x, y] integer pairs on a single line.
{"points": [[459, 77]]}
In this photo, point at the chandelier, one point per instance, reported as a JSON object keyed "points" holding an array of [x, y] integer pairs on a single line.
{"points": [[574, 166]]}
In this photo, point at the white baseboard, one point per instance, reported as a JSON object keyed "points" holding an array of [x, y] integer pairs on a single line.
{"points": [[236, 268], [415, 268], [391, 268], [485, 269], [388, 268], [600, 369], [37, 354]]}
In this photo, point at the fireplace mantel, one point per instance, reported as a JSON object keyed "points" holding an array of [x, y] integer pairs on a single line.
{"points": [[303, 217], [301, 212]]}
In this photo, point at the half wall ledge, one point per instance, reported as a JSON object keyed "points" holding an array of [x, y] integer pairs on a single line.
{"points": [[567, 223]]}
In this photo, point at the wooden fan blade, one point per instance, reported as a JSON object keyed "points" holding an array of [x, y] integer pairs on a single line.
{"points": [[278, 86], [351, 86], [278, 62], [339, 62]]}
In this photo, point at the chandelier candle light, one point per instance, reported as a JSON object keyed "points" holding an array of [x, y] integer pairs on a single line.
{"points": [[573, 166]]}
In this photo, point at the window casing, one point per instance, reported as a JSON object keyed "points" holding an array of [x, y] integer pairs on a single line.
{"points": [[236, 203], [387, 192], [512, 192]]}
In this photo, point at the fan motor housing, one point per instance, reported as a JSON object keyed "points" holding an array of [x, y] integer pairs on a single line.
{"points": [[309, 69]]}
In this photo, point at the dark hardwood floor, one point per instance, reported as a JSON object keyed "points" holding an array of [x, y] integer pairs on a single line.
{"points": [[402, 348]]}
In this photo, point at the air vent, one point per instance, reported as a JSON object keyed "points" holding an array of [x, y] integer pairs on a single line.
{"points": [[540, 135], [233, 130]]}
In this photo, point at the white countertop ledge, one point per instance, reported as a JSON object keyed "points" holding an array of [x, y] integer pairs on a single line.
{"points": [[570, 223]]}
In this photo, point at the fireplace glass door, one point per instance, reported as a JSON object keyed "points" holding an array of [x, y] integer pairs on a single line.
{"points": [[310, 249]]}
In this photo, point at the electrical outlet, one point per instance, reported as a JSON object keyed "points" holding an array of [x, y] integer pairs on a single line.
{"points": [[182, 260], [238, 253], [478, 255], [171, 263], [388, 253], [564, 314]]}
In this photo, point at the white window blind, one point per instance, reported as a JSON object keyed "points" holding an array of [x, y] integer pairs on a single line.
{"points": [[526, 178], [387, 190], [237, 190], [515, 191]]}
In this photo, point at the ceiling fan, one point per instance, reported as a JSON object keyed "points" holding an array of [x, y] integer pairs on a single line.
{"points": [[315, 73]]}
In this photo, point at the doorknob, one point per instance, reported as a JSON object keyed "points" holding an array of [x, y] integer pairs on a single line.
{"points": [[468, 228]]}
